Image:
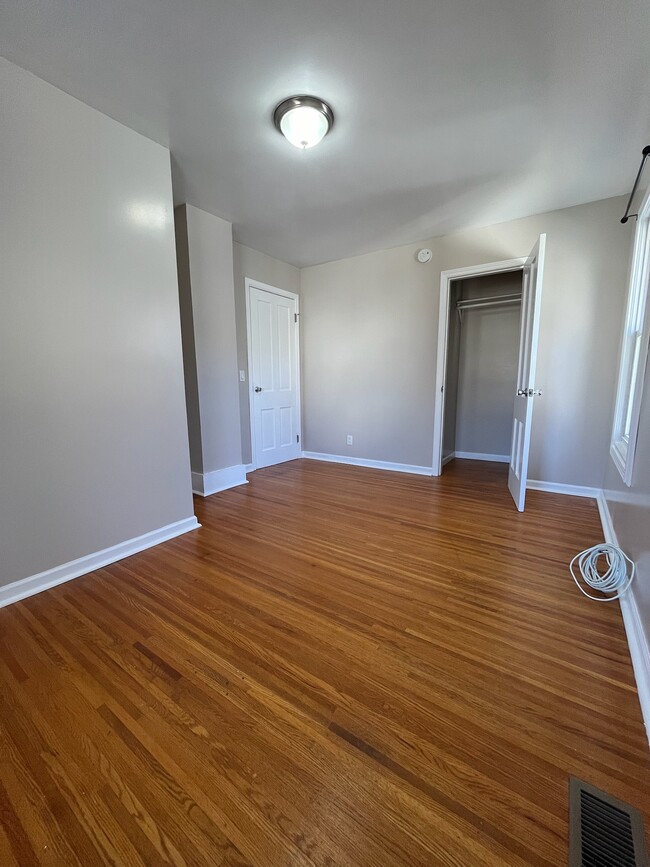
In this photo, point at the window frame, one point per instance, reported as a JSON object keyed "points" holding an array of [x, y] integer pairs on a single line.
{"points": [[634, 350]]}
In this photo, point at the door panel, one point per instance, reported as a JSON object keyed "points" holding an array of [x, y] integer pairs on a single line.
{"points": [[285, 340], [267, 434], [274, 377], [286, 425], [531, 301]]}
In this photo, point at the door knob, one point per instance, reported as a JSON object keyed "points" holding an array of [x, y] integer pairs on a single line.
{"points": [[257, 388]]}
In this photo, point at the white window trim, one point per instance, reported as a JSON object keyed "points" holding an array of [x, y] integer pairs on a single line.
{"points": [[637, 321]]}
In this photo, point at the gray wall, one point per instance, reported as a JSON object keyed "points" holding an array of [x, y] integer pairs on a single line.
{"points": [[630, 511], [370, 331], [630, 507], [369, 356], [93, 436], [257, 266], [205, 265], [487, 380], [190, 367], [487, 370]]}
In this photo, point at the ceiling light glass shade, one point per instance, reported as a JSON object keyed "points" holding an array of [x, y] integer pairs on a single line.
{"points": [[303, 126], [303, 120]]}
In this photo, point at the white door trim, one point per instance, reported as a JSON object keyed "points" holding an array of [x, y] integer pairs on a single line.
{"points": [[266, 287], [443, 330]]}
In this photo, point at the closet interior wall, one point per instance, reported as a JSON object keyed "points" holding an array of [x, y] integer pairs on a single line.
{"points": [[481, 373]]}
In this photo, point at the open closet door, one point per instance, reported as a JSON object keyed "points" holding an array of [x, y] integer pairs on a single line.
{"points": [[531, 300]]}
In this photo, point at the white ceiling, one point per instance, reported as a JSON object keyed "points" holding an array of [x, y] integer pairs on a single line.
{"points": [[449, 113]]}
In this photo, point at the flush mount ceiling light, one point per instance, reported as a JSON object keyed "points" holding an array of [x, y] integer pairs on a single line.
{"points": [[303, 120]]}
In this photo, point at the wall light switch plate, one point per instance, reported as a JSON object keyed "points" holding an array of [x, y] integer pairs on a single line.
{"points": [[242, 376], [349, 439]]}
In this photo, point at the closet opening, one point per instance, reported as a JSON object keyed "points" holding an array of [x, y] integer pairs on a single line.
{"points": [[481, 367], [488, 331]]}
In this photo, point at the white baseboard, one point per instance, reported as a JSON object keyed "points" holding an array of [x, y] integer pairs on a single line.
{"points": [[363, 462], [207, 484], [249, 468], [448, 458], [636, 636], [51, 577], [557, 488], [606, 520], [479, 456], [640, 652], [637, 639]]}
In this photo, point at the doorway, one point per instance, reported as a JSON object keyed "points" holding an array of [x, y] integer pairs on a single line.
{"points": [[481, 367], [487, 351], [272, 317]]}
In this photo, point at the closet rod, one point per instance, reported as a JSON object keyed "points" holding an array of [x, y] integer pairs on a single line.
{"points": [[489, 302]]}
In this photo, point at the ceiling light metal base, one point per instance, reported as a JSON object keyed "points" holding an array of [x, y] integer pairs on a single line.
{"points": [[306, 101]]}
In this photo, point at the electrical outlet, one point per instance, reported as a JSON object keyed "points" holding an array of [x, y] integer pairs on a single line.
{"points": [[349, 439]]}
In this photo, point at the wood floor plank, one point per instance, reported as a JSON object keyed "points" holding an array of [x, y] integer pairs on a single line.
{"points": [[342, 667]]}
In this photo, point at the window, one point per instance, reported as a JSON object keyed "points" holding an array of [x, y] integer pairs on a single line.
{"points": [[634, 350]]}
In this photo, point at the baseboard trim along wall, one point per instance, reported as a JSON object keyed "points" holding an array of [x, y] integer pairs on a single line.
{"points": [[479, 456], [640, 653], [636, 637], [557, 488], [606, 520], [363, 462], [207, 484], [52, 577]]}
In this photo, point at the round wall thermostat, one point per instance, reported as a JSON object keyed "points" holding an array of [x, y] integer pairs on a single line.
{"points": [[424, 255]]}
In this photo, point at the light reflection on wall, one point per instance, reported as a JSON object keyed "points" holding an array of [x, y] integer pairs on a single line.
{"points": [[148, 215]]}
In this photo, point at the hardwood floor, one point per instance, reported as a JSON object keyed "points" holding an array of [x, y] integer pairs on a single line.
{"points": [[342, 667]]}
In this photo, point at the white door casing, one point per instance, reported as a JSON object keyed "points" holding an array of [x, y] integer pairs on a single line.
{"points": [[446, 278], [531, 301], [273, 374]]}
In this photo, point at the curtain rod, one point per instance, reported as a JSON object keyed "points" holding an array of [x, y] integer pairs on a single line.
{"points": [[626, 216]]}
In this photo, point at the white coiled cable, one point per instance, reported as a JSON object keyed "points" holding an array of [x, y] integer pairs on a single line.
{"points": [[614, 580]]}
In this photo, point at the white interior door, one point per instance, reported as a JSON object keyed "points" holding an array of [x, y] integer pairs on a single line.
{"points": [[531, 300], [273, 376]]}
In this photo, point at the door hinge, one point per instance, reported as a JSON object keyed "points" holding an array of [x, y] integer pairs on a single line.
{"points": [[297, 438], [295, 317]]}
